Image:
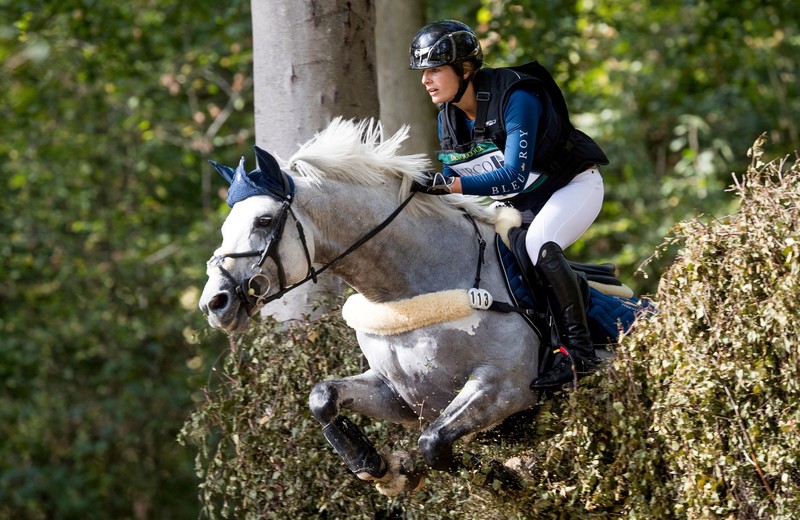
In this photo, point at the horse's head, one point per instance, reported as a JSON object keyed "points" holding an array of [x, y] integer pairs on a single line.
{"points": [[260, 257]]}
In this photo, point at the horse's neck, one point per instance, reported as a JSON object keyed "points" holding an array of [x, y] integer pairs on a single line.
{"points": [[411, 256]]}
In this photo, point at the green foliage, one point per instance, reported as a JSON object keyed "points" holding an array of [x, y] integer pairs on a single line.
{"points": [[729, 368], [105, 106], [257, 455], [695, 417]]}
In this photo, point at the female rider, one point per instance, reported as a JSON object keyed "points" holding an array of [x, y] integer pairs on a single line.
{"points": [[505, 133]]}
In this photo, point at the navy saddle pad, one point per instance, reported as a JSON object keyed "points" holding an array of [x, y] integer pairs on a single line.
{"points": [[607, 314]]}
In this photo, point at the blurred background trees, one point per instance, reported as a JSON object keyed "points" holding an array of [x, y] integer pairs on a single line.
{"points": [[110, 111]]}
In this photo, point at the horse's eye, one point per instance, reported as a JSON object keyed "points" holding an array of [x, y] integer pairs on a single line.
{"points": [[263, 221]]}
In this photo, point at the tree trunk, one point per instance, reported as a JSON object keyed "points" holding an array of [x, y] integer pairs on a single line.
{"points": [[403, 99], [312, 61]]}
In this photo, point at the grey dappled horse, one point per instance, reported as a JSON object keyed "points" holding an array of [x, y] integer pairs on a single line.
{"points": [[434, 360]]}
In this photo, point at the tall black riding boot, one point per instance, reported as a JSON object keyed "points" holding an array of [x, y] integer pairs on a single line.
{"points": [[566, 302]]}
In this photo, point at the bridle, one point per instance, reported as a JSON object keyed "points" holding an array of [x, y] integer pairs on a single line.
{"points": [[247, 290]]}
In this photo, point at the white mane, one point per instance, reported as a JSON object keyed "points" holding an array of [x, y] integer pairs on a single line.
{"points": [[359, 153]]}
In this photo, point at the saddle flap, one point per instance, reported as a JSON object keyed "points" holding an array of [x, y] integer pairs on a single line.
{"points": [[601, 273], [606, 272]]}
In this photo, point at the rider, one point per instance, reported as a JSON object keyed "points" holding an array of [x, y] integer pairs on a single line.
{"points": [[505, 133]]}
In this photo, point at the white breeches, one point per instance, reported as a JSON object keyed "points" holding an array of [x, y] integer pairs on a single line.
{"points": [[567, 214]]}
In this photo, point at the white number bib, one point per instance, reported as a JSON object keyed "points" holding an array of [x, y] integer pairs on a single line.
{"points": [[480, 298]]}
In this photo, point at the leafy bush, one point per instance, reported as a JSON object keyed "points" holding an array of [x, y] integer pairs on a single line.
{"points": [[696, 416]]}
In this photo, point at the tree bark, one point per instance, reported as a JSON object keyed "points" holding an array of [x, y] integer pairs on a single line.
{"points": [[403, 100], [312, 61]]}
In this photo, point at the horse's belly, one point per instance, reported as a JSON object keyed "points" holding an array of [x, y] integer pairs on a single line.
{"points": [[428, 370]]}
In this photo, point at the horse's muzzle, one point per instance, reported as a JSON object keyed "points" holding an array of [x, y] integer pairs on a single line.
{"points": [[224, 309]]}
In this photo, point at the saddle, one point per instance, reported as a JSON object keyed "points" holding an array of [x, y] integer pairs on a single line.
{"points": [[611, 307]]}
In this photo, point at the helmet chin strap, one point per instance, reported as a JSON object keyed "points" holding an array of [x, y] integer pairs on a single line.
{"points": [[462, 86], [461, 89]]}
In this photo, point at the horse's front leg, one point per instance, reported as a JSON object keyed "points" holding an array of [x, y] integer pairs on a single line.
{"points": [[365, 394], [486, 399]]}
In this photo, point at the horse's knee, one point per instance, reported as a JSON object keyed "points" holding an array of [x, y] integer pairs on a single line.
{"points": [[437, 451], [322, 402]]}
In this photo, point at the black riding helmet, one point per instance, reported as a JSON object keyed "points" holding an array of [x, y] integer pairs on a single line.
{"points": [[447, 42]]}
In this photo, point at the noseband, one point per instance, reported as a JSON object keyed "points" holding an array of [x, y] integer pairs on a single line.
{"points": [[251, 299]]}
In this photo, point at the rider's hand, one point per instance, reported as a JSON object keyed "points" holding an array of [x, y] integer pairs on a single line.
{"points": [[434, 184]]}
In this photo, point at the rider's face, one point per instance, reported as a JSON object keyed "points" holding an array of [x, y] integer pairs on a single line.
{"points": [[441, 83]]}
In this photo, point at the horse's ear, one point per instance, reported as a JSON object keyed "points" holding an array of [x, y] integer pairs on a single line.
{"points": [[226, 171], [266, 179], [266, 163], [279, 183]]}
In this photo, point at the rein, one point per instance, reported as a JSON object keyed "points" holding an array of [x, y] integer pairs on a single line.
{"points": [[246, 290]]}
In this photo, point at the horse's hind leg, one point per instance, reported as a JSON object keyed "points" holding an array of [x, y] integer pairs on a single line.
{"points": [[484, 401], [365, 394]]}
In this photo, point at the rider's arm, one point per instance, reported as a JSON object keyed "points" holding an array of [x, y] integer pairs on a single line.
{"points": [[521, 117]]}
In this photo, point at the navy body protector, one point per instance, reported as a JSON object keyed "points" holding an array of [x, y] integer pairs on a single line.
{"points": [[561, 150]]}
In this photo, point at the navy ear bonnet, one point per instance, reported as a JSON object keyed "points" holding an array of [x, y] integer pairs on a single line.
{"points": [[266, 179]]}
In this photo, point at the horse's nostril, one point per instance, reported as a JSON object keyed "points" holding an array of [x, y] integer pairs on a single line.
{"points": [[219, 301]]}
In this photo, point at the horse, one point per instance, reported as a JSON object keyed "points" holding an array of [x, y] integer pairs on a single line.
{"points": [[437, 355]]}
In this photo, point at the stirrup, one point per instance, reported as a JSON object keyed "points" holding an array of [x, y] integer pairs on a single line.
{"points": [[568, 369], [560, 374]]}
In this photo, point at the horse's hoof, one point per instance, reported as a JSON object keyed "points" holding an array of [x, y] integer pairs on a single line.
{"points": [[502, 476], [381, 473], [401, 476]]}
